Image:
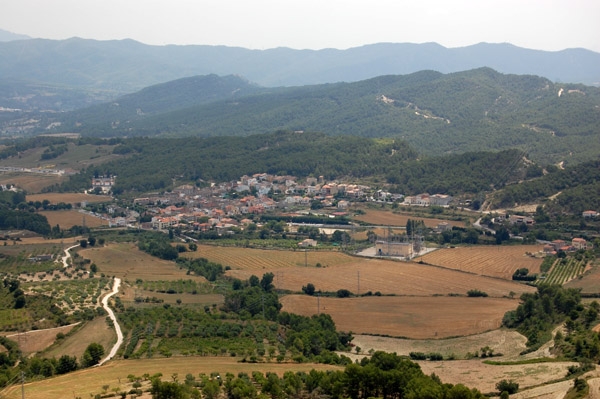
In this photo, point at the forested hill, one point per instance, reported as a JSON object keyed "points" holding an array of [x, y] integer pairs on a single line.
{"points": [[574, 190], [478, 110], [165, 97], [150, 164]]}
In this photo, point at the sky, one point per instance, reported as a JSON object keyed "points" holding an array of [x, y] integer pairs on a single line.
{"points": [[312, 24]]}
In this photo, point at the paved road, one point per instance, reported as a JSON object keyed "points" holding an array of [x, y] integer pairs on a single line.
{"points": [[112, 316]]}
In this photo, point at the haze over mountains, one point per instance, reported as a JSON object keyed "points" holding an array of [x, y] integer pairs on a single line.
{"points": [[126, 66]]}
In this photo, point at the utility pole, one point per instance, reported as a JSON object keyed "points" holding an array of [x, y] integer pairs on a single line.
{"points": [[319, 303], [22, 385]]}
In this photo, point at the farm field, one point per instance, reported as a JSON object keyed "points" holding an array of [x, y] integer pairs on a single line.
{"points": [[126, 261], [589, 282], [475, 373], [388, 218], [403, 316], [68, 198], [90, 381], [563, 271], [69, 218], [509, 343], [491, 261], [340, 271], [77, 157], [38, 340], [31, 182], [96, 330], [261, 259]]}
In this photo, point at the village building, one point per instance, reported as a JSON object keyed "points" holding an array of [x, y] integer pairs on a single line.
{"points": [[396, 249]]}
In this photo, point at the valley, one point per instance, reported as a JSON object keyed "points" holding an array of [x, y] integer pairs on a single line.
{"points": [[216, 238]]}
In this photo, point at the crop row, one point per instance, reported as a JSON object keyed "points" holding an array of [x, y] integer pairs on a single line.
{"points": [[564, 270]]}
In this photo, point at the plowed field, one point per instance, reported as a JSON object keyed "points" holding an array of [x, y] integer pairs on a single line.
{"points": [[495, 261]]}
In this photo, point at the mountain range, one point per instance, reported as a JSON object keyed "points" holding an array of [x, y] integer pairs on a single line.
{"points": [[126, 66]]}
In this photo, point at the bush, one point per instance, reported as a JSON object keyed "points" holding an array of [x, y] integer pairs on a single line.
{"points": [[507, 386], [476, 293]]}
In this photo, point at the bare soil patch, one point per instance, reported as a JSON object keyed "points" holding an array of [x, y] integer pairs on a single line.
{"points": [[475, 373], [82, 383], [38, 340], [495, 261], [126, 261], [412, 317], [505, 342], [69, 218], [589, 282]]}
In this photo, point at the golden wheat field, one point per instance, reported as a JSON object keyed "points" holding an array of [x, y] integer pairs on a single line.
{"points": [[356, 274], [126, 261], [387, 218], [495, 261], [69, 218], [406, 316], [68, 198]]}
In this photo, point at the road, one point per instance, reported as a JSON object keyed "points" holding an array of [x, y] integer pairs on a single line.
{"points": [[112, 316], [67, 256]]}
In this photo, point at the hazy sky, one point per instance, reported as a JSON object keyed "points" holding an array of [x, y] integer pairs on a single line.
{"points": [[312, 24]]}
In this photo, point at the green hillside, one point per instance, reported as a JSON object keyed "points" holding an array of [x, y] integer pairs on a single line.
{"points": [[150, 164], [478, 110]]}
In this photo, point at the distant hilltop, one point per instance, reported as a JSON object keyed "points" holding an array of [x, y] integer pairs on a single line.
{"points": [[124, 66]]}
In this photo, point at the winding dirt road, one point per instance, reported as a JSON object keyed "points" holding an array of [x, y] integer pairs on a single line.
{"points": [[112, 316]]}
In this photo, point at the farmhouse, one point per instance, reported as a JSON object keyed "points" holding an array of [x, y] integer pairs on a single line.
{"points": [[41, 258], [389, 248], [307, 243], [590, 214], [579, 243]]}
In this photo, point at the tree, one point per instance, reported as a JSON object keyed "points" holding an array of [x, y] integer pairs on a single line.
{"points": [[267, 282], [83, 243], [92, 355], [309, 289], [167, 390]]}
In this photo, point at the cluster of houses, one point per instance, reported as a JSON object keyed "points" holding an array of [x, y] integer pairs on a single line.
{"points": [[221, 205], [576, 244]]}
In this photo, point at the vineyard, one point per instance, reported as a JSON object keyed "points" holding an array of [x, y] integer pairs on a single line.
{"points": [[563, 270]]}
